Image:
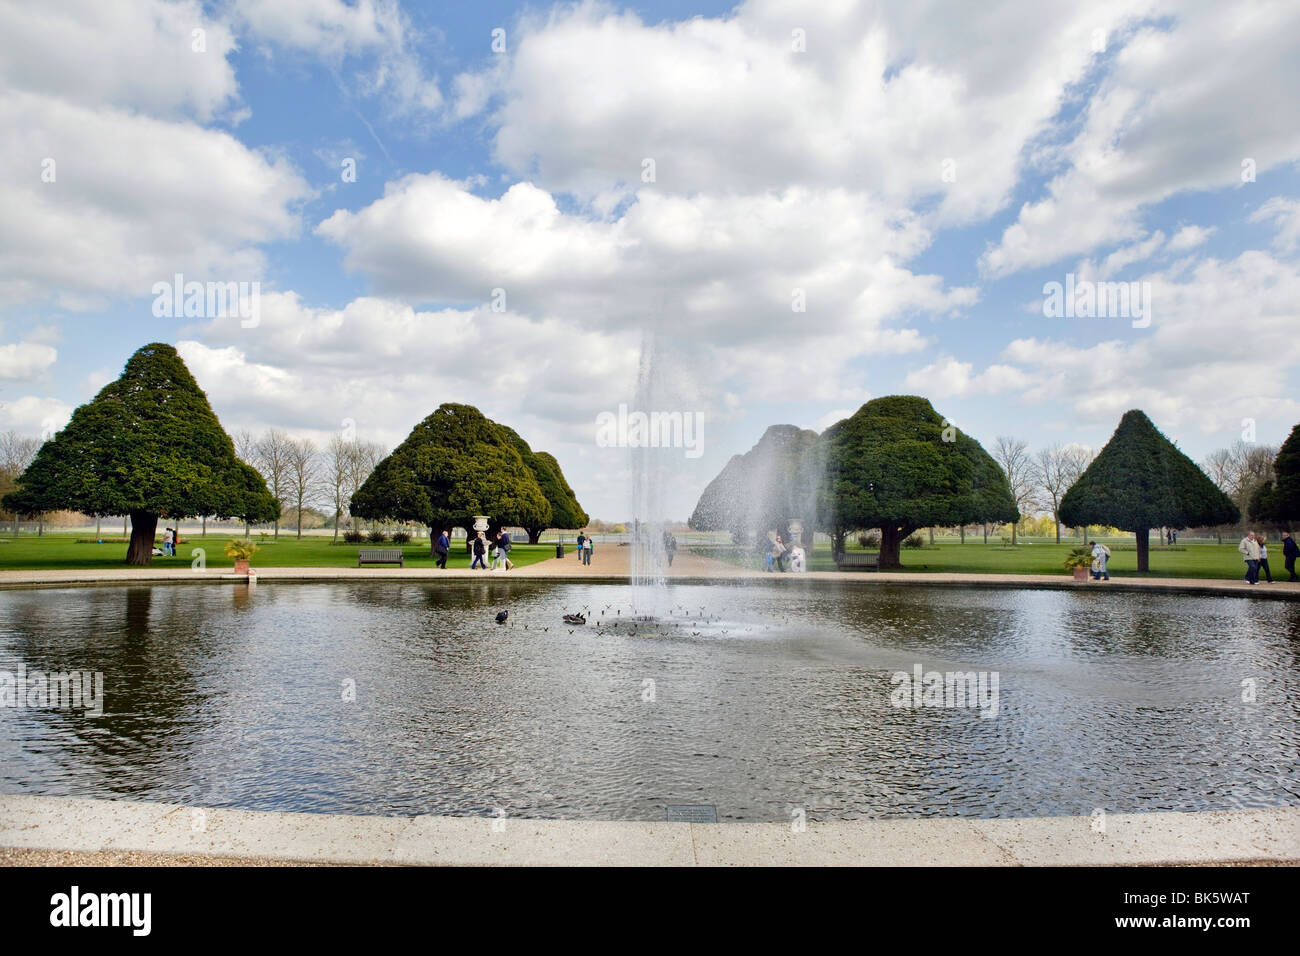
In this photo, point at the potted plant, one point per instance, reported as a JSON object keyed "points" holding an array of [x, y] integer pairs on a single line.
{"points": [[241, 549], [1079, 560]]}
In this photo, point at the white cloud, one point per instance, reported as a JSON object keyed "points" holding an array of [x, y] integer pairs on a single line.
{"points": [[1221, 347], [949, 377], [375, 31], [25, 360], [116, 54], [1180, 110], [879, 99], [133, 200], [1285, 215]]}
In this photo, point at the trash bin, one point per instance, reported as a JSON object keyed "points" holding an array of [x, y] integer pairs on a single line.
{"points": [[559, 549]]}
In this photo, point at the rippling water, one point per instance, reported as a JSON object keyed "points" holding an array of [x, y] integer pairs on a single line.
{"points": [[765, 698]]}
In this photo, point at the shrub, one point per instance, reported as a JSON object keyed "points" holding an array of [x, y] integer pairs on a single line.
{"points": [[913, 541], [353, 537], [1079, 557], [401, 537], [241, 549], [377, 537], [869, 540]]}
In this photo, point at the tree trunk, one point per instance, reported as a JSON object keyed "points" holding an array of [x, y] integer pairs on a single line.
{"points": [[986, 532], [40, 524], [204, 532], [1058, 531], [1143, 544], [97, 520], [1013, 534], [534, 535], [963, 534], [932, 536], [144, 525], [891, 541], [124, 528]]}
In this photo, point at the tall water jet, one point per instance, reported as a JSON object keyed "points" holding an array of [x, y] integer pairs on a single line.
{"points": [[649, 480]]}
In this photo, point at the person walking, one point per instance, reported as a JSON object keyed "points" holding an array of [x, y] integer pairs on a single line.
{"points": [[779, 553], [1263, 559], [1290, 551], [503, 549], [1249, 549], [1100, 556], [480, 552], [587, 547], [582, 543], [168, 543], [442, 547], [670, 546]]}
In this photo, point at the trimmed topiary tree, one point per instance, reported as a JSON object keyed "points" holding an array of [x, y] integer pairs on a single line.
{"points": [[764, 488], [1278, 502], [898, 465], [566, 513], [454, 464], [1140, 481], [148, 445]]}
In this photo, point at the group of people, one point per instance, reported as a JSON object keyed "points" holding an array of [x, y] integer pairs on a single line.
{"points": [[483, 551], [586, 544], [1254, 551], [779, 554]]}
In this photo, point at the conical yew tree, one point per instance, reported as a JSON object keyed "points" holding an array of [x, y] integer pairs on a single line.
{"points": [[148, 445], [1140, 481], [898, 465], [1278, 502], [455, 464]]}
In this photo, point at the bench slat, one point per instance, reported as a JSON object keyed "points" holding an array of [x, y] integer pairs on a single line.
{"points": [[381, 556]]}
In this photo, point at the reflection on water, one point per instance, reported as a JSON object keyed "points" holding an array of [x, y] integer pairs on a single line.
{"points": [[757, 698]]}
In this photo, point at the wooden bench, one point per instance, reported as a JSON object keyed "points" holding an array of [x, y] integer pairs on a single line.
{"points": [[857, 561], [381, 556]]}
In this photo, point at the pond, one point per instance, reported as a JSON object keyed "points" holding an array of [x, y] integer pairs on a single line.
{"points": [[762, 699]]}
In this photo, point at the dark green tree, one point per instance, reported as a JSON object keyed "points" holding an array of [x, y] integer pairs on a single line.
{"points": [[1140, 481], [566, 513], [148, 445], [896, 464], [764, 488], [454, 464], [1278, 502]]}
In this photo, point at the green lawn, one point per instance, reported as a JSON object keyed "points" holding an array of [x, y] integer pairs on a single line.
{"points": [[1199, 560], [65, 551]]}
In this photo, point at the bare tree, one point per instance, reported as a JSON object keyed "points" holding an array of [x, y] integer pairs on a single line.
{"points": [[1239, 470], [16, 454], [338, 475], [366, 455], [1057, 469], [274, 451], [1013, 456], [304, 473]]}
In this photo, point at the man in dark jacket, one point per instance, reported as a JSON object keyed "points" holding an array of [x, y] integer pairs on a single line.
{"points": [[442, 547], [1290, 551]]}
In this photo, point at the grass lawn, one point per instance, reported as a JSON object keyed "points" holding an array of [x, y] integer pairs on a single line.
{"points": [[1199, 560], [50, 551]]}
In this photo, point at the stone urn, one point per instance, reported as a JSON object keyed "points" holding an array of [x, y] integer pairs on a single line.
{"points": [[481, 523]]}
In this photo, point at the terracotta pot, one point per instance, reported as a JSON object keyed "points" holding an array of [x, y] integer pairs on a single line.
{"points": [[241, 565], [1080, 574]]}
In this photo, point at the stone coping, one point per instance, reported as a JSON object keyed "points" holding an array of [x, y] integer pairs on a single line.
{"points": [[129, 827], [723, 574]]}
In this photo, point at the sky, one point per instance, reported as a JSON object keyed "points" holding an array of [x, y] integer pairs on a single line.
{"points": [[791, 210]]}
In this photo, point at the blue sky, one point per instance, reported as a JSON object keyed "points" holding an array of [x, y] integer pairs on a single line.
{"points": [[920, 190]]}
